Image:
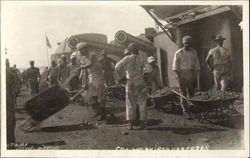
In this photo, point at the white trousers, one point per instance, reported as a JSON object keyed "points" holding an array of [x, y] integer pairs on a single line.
{"points": [[136, 93]]}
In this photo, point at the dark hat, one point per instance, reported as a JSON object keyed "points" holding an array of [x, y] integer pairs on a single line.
{"points": [[32, 61], [219, 38]]}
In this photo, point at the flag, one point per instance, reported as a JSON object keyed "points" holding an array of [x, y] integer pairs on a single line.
{"points": [[47, 42]]}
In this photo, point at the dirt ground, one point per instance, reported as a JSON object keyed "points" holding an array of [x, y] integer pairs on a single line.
{"points": [[166, 130]]}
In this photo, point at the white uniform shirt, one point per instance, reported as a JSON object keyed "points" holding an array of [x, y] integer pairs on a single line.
{"points": [[95, 72], [133, 65], [220, 55], [186, 60]]}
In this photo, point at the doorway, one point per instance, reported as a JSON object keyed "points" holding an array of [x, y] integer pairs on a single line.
{"points": [[164, 67]]}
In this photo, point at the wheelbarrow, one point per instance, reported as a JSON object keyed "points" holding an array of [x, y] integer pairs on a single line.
{"points": [[164, 99], [160, 102], [48, 102], [218, 108], [45, 104]]}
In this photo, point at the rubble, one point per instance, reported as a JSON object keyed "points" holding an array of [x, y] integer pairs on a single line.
{"points": [[116, 91], [162, 133], [214, 94], [164, 96], [165, 91]]}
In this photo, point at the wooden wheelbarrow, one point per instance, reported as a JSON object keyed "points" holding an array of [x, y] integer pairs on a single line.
{"points": [[47, 103]]}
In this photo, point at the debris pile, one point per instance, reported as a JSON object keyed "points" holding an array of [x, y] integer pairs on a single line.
{"points": [[164, 96], [116, 91], [165, 91], [214, 94]]}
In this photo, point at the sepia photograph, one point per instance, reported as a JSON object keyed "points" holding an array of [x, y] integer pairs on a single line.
{"points": [[124, 77]]}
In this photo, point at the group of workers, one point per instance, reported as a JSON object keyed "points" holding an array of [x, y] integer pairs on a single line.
{"points": [[95, 74], [140, 76], [59, 73], [186, 66]]}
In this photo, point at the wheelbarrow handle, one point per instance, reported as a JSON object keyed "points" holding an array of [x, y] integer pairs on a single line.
{"points": [[78, 93], [180, 94]]}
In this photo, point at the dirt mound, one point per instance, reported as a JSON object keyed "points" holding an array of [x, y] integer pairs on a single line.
{"points": [[165, 91], [116, 91], [214, 94]]}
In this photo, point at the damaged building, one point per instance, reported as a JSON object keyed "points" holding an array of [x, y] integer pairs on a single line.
{"points": [[203, 23]]}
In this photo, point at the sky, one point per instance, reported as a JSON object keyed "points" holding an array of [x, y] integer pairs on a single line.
{"points": [[25, 26]]}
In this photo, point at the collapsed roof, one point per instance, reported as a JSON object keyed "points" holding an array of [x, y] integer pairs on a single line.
{"points": [[178, 14]]}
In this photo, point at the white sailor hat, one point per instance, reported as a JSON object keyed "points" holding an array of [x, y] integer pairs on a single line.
{"points": [[81, 45], [126, 51], [151, 59], [73, 55], [63, 56], [187, 39]]}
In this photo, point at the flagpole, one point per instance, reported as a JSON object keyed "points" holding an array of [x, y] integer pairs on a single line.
{"points": [[47, 49], [47, 54]]}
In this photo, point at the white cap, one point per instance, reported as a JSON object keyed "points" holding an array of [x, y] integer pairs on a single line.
{"points": [[151, 59], [81, 45], [63, 56], [73, 55], [126, 51], [187, 39], [241, 25]]}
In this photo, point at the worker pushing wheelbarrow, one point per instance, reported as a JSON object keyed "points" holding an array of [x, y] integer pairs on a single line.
{"points": [[56, 98], [48, 102]]}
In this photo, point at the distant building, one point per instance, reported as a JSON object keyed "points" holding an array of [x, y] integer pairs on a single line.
{"points": [[203, 23]]}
